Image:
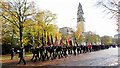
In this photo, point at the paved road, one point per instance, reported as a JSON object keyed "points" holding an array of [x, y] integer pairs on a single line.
{"points": [[107, 57]]}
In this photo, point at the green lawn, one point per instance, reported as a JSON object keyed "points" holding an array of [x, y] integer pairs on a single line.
{"points": [[7, 57]]}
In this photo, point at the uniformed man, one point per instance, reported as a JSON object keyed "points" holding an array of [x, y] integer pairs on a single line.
{"points": [[65, 51], [81, 48], [50, 50], [68, 47], [78, 49], [36, 53], [41, 53], [84, 49], [74, 49], [61, 53], [33, 51], [71, 47], [53, 51], [12, 53], [21, 55], [46, 52]]}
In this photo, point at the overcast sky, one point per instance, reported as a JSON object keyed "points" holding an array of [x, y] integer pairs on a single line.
{"points": [[95, 19]]}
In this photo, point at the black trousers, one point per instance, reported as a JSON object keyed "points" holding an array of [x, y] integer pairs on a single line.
{"points": [[22, 59], [74, 52], [46, 55], [69, 51], [33, 57], [78, 51], [41, 56], [12, 57]]}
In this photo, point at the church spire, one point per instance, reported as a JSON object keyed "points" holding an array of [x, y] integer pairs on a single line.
{"points": [[80, 18], [80, 10]]}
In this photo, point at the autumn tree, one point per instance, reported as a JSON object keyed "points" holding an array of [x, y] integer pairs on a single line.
{"points": [[17, 13], [78, 33], [113, 7], [91, 38], [95, 38], [88, 37], [106, 40], [42, 22]]}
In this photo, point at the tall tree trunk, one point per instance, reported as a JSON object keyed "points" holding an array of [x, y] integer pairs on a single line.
{"points": [[21, 30], [12, 40]]}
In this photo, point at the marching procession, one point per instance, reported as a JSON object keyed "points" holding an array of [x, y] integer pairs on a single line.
{"points": [[44, 52], [51, 51]]}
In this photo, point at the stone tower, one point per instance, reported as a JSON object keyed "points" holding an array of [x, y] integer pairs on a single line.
{"points": [[80, 18]]}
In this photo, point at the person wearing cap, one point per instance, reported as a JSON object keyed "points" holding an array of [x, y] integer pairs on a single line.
{"points": [[21, 55]]}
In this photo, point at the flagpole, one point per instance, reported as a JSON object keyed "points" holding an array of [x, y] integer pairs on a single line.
{"points": [[46, 37]]}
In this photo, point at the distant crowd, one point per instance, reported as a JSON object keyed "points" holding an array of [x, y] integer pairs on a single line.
{"points": [[43, 52]]}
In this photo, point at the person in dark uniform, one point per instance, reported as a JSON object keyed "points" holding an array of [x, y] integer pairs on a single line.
{"points": [[84, 49], [12, 53], [37, 50], [21, 55], [61, 53], [53, 51], [33, 51], [78, 49], [36, 53], [71, 47], [46, 52], [68, 47], [41, 52], [56, 51], [50, 50], [65, 51], [74, 49]]}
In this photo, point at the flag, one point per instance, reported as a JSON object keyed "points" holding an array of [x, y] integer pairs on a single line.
{"points": [[62, 41], [32, 40], [51, 39], [38, 38], [42, 39], [48, 43], [56, 41], [75, 40], [68, 41], [46, 38]]}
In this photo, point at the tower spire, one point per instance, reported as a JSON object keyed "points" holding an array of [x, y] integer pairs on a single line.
{"points": [[80, 10], [80, 18]]}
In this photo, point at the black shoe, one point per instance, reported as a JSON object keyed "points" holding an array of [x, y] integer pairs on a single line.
{"points": [[39, 59], [34, 60], [18, 63]]}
